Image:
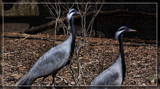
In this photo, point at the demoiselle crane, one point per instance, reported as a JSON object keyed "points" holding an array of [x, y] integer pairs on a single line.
{"points": [[115, 74], [53, 60]]}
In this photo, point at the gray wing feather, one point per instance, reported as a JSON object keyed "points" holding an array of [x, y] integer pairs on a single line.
{"points": [[50, 62], [107, 77]]}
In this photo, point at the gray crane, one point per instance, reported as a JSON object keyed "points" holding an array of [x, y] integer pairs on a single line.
{"points": [[53, 60], [115, 74]]}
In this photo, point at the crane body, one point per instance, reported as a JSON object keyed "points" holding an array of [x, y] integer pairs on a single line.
{"points": [[115, 74], [53, 60]]}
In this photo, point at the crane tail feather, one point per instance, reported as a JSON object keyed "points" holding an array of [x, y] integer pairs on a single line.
{"points": [[25, 82]]}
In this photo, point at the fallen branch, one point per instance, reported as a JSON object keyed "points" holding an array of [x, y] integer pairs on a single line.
{"points": [[43, 27], [51, 24]]}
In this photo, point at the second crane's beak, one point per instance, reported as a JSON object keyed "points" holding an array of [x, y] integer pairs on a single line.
{"points": [[132, 30]]}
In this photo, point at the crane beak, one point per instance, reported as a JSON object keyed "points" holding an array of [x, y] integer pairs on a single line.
{"points": [[132, 30], [78, 13]]}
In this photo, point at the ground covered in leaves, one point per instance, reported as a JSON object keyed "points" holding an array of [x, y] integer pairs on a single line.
{"points": [[21, 51]]}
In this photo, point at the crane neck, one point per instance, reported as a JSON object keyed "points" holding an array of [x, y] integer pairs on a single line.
{"points": [[121, 50], [121, 54], [72, 36]]}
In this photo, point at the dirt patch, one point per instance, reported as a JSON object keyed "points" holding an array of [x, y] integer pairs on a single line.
{"points": [[98, 54]]}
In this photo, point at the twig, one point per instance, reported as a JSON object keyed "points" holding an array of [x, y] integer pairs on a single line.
{"points": [[94, 16], [62, 79], [86, 70], [72, 73], [78, 62]]}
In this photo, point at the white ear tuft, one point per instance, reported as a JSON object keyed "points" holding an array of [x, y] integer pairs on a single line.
{"points": [[69, 15], [118, 33]]}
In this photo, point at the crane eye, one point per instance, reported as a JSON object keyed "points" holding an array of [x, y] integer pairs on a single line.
{"points": [[125, 29]]}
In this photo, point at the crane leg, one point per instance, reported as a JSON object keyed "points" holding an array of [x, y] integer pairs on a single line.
{"points": [[53, 75]]}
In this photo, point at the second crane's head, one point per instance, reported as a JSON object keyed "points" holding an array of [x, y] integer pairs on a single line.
{"points": [[122, 30], [71, 13]]}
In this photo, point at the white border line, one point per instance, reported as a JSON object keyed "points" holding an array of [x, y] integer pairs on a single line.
{"points": [[157, 41], [79, 2], [2, 43], [82, 3]]}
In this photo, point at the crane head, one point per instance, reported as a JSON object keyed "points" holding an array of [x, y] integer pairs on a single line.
{"points": [[71, 13], [122, 30]]}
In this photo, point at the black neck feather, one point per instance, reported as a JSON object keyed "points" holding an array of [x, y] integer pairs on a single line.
{"points": [[73, 35], [121, 51]]}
